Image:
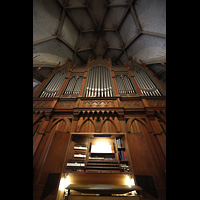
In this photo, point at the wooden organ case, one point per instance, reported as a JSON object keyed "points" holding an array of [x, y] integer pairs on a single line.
{"points": [[99, 129]]}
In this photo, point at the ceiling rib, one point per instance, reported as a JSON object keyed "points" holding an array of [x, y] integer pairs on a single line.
{"points": [[105, 10], [123, 17], [118, 5], [62, 19], [128, 44], [87, 31], [118, 34], [66, 43], [85, 49], [92, 16], [73, 20], [135, 18], [44, 40], [154, 34], [75, 7], [76, 46], [132, 40]]}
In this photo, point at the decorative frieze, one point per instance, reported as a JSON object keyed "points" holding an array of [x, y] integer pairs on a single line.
{"points": [[157, 102], [65, 105], [132, 104], [42, 104], [98, 103]]}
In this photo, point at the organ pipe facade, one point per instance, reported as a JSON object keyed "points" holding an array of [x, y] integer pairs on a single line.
{"points": [[100, 98]]}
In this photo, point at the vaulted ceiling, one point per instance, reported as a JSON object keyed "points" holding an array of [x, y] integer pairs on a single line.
{"points": [[76, 29]]}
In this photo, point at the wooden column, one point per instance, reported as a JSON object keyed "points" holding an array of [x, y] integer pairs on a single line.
{"points": [[114, 82]]}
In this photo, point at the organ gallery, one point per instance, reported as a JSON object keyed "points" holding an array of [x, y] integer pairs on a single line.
{"points": [[99, 132]]}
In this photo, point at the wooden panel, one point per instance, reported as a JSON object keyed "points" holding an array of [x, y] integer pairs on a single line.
{"points": [[141, 156], [108, 127], [36, 141], [85, 126], [42, 149], [56, 154], [162, 143], [50, 187]]}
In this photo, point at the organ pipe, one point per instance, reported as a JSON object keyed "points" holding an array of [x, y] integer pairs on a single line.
{"points": [[124, 84], [54, 84], [74, 85], [145, 84], [99, 82]]}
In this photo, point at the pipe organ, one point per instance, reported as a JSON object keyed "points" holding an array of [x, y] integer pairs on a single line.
{"points": [[54, 84], [99, 83], [124, 84], [145, 84], [74, 85], [80, 106]]}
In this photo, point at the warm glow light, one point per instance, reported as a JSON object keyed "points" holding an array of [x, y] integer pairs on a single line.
{"points": [[129, 181], [132, 182], [64, 182], [101, 147]]}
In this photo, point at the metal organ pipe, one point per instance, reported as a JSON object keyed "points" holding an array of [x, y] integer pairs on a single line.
{"points": [[99, 81], [146, 84], [89, 84], [69, 85], [54, 84], [80, 84], [127, 85], [120, 84], [96, 79], [75, 86], [139, 82], [76, 89], [110, 85], [130, 85], [152, 87], [105, 81], [147, 87], [107, 87], [92, 85]]}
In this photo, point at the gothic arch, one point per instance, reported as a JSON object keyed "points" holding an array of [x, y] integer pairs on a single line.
{"points": [[39, 117], [131, 120], [84, 122], [66, 120], [112, 121]]}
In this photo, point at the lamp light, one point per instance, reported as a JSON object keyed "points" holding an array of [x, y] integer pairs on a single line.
{"points": [[64, 182]]}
